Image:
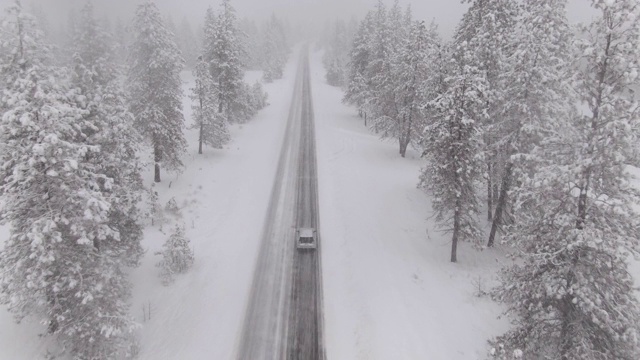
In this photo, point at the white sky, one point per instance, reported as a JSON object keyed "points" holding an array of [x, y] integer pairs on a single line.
{"points": [[447, 13]]}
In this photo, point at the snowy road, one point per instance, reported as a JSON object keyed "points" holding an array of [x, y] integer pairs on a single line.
{"points": [[284, 314]]}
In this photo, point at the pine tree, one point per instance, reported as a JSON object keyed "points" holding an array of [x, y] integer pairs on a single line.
{"points": [[336, 54], [64, 257], [577, 224], [452, 143], [121, 43], [155, 88], [213, 128], [259, 96], [410, 73], [97, 91], [225, 63], [275, 50], [357, 91], [392, 34], [253, 44], [177, 256], [485, 29], [534, 88], [188, 43], [377, 74], [209, 40]]}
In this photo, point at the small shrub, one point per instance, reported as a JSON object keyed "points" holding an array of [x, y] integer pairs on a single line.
{"points": [[335, 76], [479, 287], [154, 211], [172, 208], [177, 256], [499, 352], [259, 96]]}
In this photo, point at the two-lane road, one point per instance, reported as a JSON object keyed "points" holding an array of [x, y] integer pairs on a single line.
{"points": [[284, 312]]}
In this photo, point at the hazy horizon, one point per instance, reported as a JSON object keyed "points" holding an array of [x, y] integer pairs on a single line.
{"points": [[446, 13]]}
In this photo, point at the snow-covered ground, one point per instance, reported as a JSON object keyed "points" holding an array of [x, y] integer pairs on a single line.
{"points": [[223, 196], [390, 291]]}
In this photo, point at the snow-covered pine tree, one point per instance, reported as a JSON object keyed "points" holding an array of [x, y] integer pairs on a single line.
{"points": [[452, 143], [212, 126], [336, 54], [209, 39], [188, 43], [275, 50], [62, 262], [177, 256], [259, 96], [121, 46], [170, 25], [225, 63], [534, 86], [357, 87], [155, 87], [410, 72], [253, 44], [377, 74], [248, 104], [392, 34], [576, 225], [485, 28], [98, 92]]}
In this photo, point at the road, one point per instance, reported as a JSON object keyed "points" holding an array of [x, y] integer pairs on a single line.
{"points": [[284, 312]]}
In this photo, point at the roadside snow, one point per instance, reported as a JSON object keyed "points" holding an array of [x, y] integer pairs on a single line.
{"points": [[390, 291], [224, 195]]}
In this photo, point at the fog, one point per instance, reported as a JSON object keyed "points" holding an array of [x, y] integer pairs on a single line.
{"points": [[446, 13]]}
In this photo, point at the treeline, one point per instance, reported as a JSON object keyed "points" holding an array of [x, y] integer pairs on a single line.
{"points": [[269, 46], [336, 40], [537, 122], [73, 120]]}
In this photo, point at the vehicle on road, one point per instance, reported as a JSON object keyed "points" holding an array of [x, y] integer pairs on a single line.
{"points": [[306, 238]]}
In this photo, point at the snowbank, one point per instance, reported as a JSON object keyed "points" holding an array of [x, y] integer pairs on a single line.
{"points": [[224, 196]]}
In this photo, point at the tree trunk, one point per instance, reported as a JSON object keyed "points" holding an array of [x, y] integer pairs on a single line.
{"points": [[502, 201], [582, 201], [489, 192], [456, 230], [565, 339], [566, 313], [496, 192], [157, 155], [365, 118], [157, 173], [53, 325], [582, 210], [404, 143], [200, 139]]}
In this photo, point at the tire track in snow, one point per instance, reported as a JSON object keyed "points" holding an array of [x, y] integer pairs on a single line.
{"points": [[284, 313]]}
